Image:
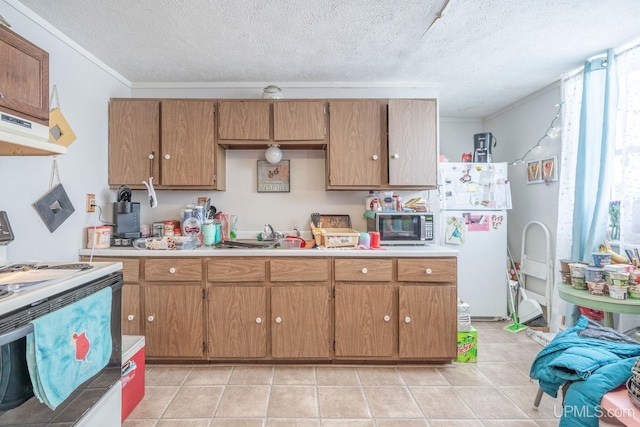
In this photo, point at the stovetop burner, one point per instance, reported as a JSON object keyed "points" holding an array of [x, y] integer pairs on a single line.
{"points": [[5, 293]]}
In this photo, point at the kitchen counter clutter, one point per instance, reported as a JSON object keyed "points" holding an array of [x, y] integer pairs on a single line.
{"points": [[391, 305]]}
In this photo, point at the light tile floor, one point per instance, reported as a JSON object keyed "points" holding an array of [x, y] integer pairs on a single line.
{"points": [[495, 392]]}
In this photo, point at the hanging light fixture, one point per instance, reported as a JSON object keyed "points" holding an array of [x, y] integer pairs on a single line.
{"points": [[273, 154], [271, 92]]}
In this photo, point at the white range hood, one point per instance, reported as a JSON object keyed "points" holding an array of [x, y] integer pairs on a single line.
{"points": [[21, 137]]}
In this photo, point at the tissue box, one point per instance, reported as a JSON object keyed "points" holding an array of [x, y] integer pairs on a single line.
{"points": [[467, 346]]}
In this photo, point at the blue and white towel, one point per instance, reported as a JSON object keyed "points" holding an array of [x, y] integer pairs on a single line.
{"points": [[69, 346]]}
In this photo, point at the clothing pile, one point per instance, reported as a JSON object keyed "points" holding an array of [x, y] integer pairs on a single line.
{"points": [[587, 360]]}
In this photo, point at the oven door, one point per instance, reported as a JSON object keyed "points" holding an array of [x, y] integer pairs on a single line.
{"points": [[18, 406]]}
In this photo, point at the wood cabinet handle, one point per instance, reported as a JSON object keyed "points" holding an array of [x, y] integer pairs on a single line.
{"points": [[150, 318], [152, 156], [428, 271], [396, 156], [278, 320], [387, 318], [364, 270], [130, 317], [166, 156], [172, 270], [258, 320], [375, 157], [407, 319]]}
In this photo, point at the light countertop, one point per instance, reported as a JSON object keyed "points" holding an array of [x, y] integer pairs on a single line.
{"points": [[207, 251]]}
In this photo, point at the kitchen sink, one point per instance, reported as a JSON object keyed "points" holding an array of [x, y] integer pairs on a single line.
{"points": [[247, 244]]}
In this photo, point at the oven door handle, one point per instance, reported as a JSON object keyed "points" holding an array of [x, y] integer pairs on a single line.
{"points": [[16, 334]]}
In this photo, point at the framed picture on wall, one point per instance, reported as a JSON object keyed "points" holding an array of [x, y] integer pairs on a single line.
{"points": [[273, 177], [534, 172], [549, 169]]}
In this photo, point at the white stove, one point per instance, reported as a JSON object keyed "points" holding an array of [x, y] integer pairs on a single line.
{"points": [[22, 294]]}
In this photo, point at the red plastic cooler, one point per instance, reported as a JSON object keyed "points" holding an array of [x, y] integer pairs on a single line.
{"points": [[132, 377]]}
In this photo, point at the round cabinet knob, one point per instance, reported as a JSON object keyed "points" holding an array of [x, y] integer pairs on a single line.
{"points": [[150, 318], [130, 317], [364, 270], [258, 320], [166, 156], [151, 156], [278, 320], [428, 271], [407, 319], [172, 270], [396, 156], [387, 318], [375, 157]]}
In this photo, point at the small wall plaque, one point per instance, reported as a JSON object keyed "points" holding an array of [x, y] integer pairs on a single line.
{"points": [[273, 178]]}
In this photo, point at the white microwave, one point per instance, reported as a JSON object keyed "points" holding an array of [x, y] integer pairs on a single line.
{"points": [[403, 228]]}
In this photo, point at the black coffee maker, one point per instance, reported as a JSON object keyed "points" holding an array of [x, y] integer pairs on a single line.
{"points": [[126, 215], [482, 147]]}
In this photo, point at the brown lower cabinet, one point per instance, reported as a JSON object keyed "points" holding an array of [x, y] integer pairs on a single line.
{"points": [[292, 308]]}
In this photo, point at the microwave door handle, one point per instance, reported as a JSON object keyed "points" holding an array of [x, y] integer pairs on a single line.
{"points": [[423, 227], [16, 334]]}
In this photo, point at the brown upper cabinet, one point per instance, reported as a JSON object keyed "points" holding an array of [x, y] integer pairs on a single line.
{"points": [[382, 144], [171, 140], [259, 122], [24, 78]]}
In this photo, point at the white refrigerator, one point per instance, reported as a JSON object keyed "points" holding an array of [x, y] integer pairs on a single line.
{"points": [[474, 199]]}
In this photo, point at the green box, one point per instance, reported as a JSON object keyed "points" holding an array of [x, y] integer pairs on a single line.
{"points": [[468, 346]]}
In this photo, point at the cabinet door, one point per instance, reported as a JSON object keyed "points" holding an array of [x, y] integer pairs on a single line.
{"points": [[365, 320], [134, 137], [131, 310], [244, 120], [300, 322], [413, 144], [24, 77], [237, 322], [188, 142], [427, 322], [298, 120], [173, 321], [356, 156]]}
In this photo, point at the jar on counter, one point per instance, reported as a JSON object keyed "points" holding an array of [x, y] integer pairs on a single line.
{"points": [[168, 228]]}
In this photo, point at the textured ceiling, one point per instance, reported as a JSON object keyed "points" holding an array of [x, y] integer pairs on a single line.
{"points": [[481, 54]]}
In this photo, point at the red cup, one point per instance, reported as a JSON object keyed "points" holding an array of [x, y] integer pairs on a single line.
{"points": [[374, 239]]}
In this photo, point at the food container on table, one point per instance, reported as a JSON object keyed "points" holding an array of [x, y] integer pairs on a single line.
{"points": [[577, 269], [618, 292], [601, 258], [593, 273], [634, 292], [578, 283], [291, 243], [597, 288], [566, 278], [564, 265], [619, 279]]}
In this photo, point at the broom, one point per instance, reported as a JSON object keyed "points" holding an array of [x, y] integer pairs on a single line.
{"points": [[515, 326]]}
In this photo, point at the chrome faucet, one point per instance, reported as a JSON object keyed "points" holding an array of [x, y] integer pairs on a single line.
{"points": [[297, 230], [270, 234]]}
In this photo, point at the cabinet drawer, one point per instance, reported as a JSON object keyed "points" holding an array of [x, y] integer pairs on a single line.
{"points": [[130, 267], [237, 270], [364, 270], [294, 270], [427, 270], [174, 270]]}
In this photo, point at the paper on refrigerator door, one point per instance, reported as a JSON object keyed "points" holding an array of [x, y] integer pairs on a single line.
{"points": [[475, 186], [454, 231]]}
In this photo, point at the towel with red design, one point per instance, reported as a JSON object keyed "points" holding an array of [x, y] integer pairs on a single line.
{"points": [[69, 346]]}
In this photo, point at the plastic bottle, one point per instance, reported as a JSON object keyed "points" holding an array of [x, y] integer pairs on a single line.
{"points": [[368, 204]]}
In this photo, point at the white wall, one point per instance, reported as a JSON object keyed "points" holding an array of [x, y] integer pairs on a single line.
{"points": [[517, 128], [456, 136], [84, 90]]}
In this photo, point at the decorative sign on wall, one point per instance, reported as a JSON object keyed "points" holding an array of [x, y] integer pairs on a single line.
{"points": [[273, 177], [542, 170]]}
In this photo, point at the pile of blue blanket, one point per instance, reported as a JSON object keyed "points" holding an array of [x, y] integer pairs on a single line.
{"points": [[591, 358]]}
